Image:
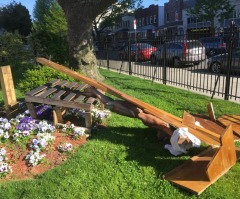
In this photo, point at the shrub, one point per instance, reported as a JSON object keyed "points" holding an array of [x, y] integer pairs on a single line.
{"points": [[33, 78]]}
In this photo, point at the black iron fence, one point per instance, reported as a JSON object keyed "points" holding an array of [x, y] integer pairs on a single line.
{"points": [[200, 62]]}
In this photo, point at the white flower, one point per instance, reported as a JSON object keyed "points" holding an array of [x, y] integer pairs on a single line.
{"points": [[6, 135], [1, 132], [65, 147], [2, 151]]}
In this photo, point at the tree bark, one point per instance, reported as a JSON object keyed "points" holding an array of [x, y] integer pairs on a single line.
{"points": [[80, 15]]}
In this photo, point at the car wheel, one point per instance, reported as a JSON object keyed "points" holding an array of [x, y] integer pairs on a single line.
{"points": [[216, 67], [176, 62], [153, 60]]}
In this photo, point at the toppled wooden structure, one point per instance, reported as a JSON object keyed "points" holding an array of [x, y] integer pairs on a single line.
{"points": [[61, 95], [200, 171]]}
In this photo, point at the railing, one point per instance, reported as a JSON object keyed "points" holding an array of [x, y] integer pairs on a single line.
{"points": [[215, 72]]}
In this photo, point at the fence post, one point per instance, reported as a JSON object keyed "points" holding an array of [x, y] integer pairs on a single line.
{"points": [[164, 57], [129, 56], [229, 60], [107, 54]]}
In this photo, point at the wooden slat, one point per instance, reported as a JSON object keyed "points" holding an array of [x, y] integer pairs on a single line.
{"points": [[69, 97], [80, 99], [81, 87], [90, 100], [58, 95], [47, 93], [37, 90], [53, 82], [71, 85]]}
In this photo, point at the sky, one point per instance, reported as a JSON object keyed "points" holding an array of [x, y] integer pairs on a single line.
{"points": [[29, 4]]}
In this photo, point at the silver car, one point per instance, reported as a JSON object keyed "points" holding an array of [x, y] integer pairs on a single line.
{"points": [[219, 63], [179, 53]]}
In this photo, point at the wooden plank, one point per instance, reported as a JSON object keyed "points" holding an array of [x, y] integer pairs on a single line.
{"points": [[69, 97], [53, 82], [7, 85], [71, 85], [81, 87], [31, 109], [88, 119], [211, 112], [37, 90], [204, 135], [58, 95], [80, 99], [61, 103], [57, 115], [199, 172], [233, 120], [90, 100], [47, 92], [225, 157]]}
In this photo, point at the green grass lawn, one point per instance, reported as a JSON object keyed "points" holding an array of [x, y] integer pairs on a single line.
{"points": [[125, 160]]}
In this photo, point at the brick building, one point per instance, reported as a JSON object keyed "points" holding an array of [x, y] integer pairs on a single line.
{"points": [[148, 20]]}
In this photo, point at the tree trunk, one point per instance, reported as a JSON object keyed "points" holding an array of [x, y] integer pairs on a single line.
{"points": [[80, 15]]}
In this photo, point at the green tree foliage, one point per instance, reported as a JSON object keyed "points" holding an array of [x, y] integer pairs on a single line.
{"points": [[41, 7], [15, 17], [48, 37], [12, 50], [211, 9], [114, 13]]}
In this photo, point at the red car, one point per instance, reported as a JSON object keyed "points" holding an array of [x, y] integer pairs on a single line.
{"points": [[139, 52]]}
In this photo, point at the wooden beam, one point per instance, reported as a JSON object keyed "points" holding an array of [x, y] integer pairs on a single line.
{"points": [[8, 90]]}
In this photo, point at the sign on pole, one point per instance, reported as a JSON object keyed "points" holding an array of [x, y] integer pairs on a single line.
{"points": [[135, 24]]}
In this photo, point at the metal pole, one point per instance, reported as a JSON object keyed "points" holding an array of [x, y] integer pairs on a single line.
{"points": [[229, 60], [107, 54], [164, 57], [129, 56]]}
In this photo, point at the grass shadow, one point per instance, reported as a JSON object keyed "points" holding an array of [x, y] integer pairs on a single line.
{"points": [[143, 146]]}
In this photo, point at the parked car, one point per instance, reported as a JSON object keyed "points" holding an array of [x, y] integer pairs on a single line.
{"points": [[214, 45], [139, 52], [178, 53], [219, 63]]}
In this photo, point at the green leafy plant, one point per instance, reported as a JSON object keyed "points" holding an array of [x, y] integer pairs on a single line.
{"points": [[38, 76]]}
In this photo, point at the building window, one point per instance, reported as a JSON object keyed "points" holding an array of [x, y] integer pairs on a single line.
{"points": [[176, 16], [167, 16], [139, 22], [155, 19], [147, 20], [143, 21], [236, 14], [151, 19]]}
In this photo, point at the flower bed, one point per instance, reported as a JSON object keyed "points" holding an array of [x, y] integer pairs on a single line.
{"points": [[29, 147]]}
